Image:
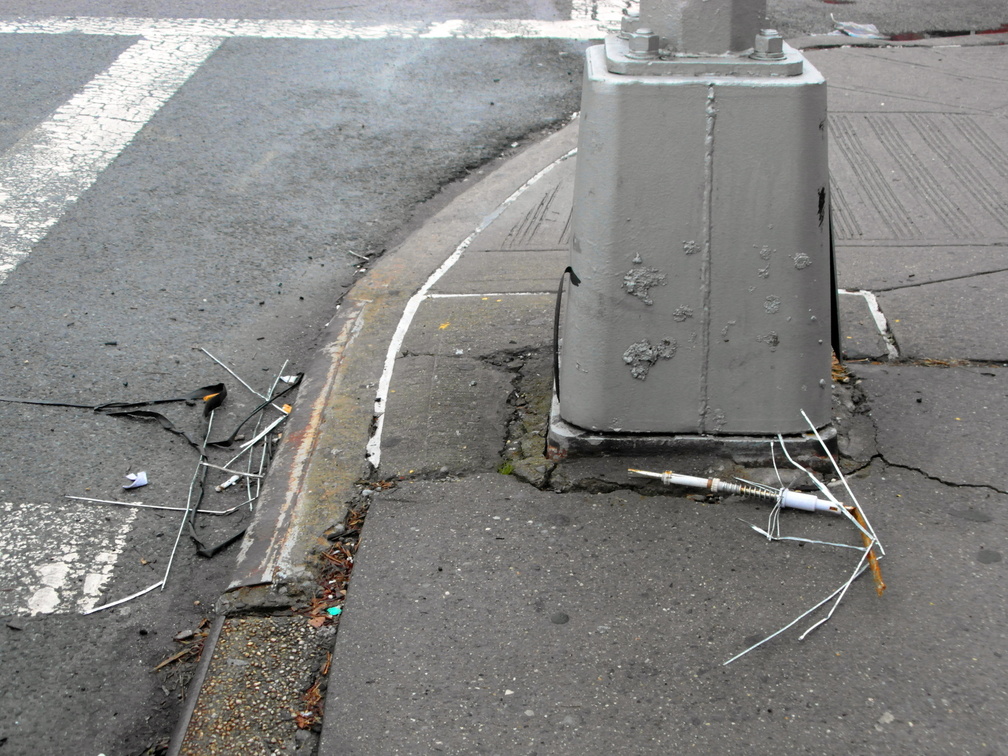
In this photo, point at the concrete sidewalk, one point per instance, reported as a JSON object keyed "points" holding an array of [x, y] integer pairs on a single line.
{"points": [[566, 608]]}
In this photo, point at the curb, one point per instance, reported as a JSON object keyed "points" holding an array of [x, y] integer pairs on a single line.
{"points": [[196, 684], [322, 457], [315, 476]]}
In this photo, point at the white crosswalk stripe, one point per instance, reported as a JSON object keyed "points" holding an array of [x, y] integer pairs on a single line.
{"points": [[585, 23], [52, 165], [57, 557]]}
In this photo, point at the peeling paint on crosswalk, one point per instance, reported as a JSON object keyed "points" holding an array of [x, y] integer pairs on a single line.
{"points": [[53, 164], [58, 558], [586, 23]]}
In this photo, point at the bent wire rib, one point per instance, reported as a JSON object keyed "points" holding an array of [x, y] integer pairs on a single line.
{"points": [[784, 497]]}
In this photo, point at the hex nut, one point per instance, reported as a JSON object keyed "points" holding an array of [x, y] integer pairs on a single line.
{"points": [[769, 45], [644, 43], [628, 23]]}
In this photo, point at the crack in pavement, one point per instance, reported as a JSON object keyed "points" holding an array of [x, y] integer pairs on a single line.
{"points": [[919, 284], [880, 456], [935, 478]]}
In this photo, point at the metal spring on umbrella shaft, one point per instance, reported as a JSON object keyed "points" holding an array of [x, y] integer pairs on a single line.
{"points": [[740, 489]]}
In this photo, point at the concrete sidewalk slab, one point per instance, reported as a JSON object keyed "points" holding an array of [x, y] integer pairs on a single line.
{"points": [[480, 324], [450, 404], [919, 184], [538, 220], [941, 302], [860, 338], [489, 617], [879, 267], [440, 419], [940, 420], [529, 271], [966, 318], [902, 79], [800, 16]]}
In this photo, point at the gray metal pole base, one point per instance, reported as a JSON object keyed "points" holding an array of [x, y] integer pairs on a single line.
{"points": [[564, 440]]}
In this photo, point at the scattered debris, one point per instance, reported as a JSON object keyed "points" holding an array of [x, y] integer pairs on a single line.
{"points": [[137, 480], [782, 496], [123, 600], [838, 372], [228, 483], [233, 473], [336, 564], [854, 513], [861, 31], [262, 434], [199, 475], [871, 549], [193, 646], [171, 659], [311, 706], [141, 505], [313, 700], [210, 398], [246, 385]]}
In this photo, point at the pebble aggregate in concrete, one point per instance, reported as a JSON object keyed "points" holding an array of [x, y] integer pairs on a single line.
{"points": [[254, 687]]}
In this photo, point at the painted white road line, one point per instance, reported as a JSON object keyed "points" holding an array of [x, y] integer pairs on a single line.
{"points": [[881, 322], [52, 165], [373, 451], [582, 27], [493, 295], [58, 557]]}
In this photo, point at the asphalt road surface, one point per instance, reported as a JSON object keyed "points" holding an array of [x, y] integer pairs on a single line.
{"points": [[176, 189]]}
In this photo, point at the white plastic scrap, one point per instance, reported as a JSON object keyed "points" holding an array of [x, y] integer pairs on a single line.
{"points": [[228, 483], [137, 480]]}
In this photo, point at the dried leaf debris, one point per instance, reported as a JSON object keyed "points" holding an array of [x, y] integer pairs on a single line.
{"points": [[192, 646], [335, 567]]}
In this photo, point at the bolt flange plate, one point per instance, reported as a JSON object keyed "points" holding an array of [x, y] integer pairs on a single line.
{"points": [[619, 60]]}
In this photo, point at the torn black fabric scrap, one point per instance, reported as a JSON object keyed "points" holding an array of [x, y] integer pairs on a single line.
{"points": [[212, 396], [226, 442]]}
